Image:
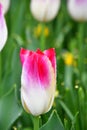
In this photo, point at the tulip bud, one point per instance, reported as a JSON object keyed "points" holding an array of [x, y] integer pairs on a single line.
{"points": [[3, 29], [78, 9], [38, 80], [5, 4], [44, 10]]}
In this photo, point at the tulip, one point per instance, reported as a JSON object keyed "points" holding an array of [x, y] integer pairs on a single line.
{"points": [[3, 29], [38, 80], [78, 9], [6, 4], [44, 10]]}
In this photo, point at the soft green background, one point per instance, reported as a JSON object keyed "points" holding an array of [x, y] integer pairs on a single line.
{"points": [[65, 35]]}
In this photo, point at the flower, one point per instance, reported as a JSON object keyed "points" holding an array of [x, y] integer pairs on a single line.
{"points": [[78, 9], [68, 58], [3, 29], [40, 30], [46, 31], [6, 4], [44, 10], [38, 80]]}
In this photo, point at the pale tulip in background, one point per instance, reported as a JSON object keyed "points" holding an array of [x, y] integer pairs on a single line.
{"points": [[3, 29], [45, 10], [78, 9], [38, 80], [6, 5]]}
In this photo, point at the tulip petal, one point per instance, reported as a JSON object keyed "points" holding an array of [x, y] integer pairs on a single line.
{"points": [[24, 54], [3, 29], [6, 5], [44, 10], [38, 83], [78, 9], [37, 68], [81, 1], [36, 100], [52, 56]]}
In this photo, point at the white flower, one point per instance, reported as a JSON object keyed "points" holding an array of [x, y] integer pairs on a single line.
{"points": [[3, 29], [78, 9], [5, 4], [45, 10]]}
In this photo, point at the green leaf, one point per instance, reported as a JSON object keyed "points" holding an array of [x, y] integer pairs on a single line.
{"points": [[53, 123], [66, 109], [74, 125], [9, 109], [68, 76], [81, 98], [66, 124]]}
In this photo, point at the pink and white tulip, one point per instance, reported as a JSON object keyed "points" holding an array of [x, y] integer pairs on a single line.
{"points": [[3, 29], [5, 4], [78, 9], [38, 80], [45, 10]]}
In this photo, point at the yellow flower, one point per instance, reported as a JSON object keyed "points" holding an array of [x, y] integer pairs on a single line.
{"points": [[46, 31], [39, 30], [68, 59]]}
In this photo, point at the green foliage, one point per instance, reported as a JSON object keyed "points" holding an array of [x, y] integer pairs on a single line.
{"points": [[53, 123], [65, 35], [9, 109]]}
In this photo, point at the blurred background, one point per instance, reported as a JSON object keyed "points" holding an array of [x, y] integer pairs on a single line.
{"points": [[69, 37]]}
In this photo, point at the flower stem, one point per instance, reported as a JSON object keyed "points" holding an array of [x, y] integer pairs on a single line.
{"points": [[81, 42], [36, 123], [42, 39]]}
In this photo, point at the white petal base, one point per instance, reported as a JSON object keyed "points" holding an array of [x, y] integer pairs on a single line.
{"points": [[35, 100]]}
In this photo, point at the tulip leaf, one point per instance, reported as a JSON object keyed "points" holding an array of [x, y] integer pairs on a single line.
{"points": [[53, 123], [9, 109]]}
